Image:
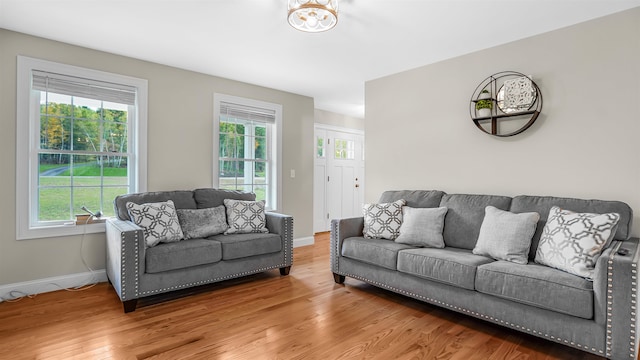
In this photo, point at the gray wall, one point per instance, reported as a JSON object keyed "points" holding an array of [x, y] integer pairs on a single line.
{"points": [[180, 127], [585, 144]]}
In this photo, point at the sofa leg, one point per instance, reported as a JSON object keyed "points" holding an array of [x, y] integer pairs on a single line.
{"points": [[129, 305], [285, 270], [339, 279]]}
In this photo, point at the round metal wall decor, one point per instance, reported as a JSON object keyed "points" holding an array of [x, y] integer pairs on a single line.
{"points": [[505, 104]]}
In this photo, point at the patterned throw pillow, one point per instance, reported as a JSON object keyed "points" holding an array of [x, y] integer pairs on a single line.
{"points": [[383, 221], [158, 221], [573, 242], [200, 223], [245, 217]]}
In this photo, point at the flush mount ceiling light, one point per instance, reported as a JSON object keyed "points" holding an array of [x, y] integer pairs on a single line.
{"points": [[313, 15]]}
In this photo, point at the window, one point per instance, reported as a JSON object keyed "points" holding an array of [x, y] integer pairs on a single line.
{"points": [[247, 152], [320, 147], [345, 149], [81, 140]]}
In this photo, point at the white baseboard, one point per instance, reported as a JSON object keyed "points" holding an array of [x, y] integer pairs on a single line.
{"points": [[303, 241], [16, 290], [13, 291]]}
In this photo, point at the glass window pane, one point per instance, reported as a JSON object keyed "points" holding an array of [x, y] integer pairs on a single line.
{"points": [[86, 135], [239, 149], [228, 169], [86, 170], [91, 197], [52, 99], [54, 170], [115, 112], [261, 192], [87, 109], [54, 204], [344, 149], [55, 133], [115, 170], [351, 150], [260, 172], [227, 145], [115, 137], [320, 147], [260, 148], [227, 128]]}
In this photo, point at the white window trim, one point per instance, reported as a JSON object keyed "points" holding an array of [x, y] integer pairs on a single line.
{"points": [[26, 141], [277, 159]]}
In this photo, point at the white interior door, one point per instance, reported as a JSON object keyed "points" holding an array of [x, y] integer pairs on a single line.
{"points": [[338, 177]]}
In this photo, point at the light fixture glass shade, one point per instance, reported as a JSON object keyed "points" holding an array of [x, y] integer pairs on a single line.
{"points": [[313, 15]]}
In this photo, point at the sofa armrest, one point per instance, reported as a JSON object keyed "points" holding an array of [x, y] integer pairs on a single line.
{"points": [[340, 230], [125, 256], [282, 225], [620, 274]]}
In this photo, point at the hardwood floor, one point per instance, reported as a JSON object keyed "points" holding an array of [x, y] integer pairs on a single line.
{"points": [[304, 315]]}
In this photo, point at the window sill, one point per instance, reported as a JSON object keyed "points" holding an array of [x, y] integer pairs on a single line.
{"points": [[69, 229]]}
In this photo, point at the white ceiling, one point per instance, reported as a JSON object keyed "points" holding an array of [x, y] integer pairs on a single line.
{"points": [[251, 41]]}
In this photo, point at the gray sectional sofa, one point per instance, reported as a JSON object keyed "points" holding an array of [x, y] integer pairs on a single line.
{"points": [[598, 316], [136, 270]]}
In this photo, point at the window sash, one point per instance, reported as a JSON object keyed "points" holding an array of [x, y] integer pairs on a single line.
{"points": [[250, 114], [37, 217], [246, 179]]}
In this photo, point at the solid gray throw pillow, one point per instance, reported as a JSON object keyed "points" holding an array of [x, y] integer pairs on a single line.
{"points": [[505, 235], [200, 223], [422, 226]]}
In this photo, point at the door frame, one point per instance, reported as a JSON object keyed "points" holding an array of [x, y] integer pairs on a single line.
{"points": [[321, 209]]}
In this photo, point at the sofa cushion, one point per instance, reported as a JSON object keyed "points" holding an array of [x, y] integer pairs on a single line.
{"points": [[422, 227], [465, 215], [382, 221], [182, 199], [245, 217], [505, 235], [537, 285], [379, 252], [414, 198], [236, 246], [573, 242], [172, 256], [451, 266], [200, 223], [207, 198], [159, 221], [542, 205]]}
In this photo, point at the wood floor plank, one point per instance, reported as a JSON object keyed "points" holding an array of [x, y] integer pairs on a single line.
{"points": [[304, 315]]}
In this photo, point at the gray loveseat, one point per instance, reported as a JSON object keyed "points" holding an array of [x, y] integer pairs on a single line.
{"points": [[598, 316], [136, 270]]}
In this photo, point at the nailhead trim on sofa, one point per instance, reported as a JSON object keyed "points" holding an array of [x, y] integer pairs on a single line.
{"points": [[123, 272], [336, 252], [473, 313], [288, 255]]}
